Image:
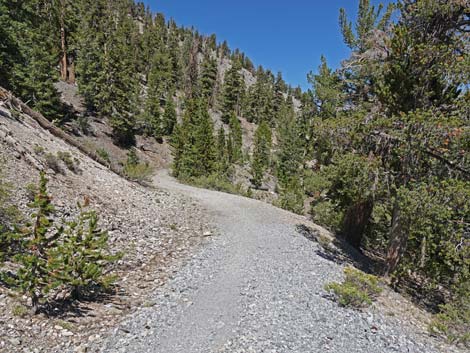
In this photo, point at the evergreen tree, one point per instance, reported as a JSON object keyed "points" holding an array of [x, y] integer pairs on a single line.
{"points": [[92, 37], [36, 257], [222, 158], [205, 142], [260, 102], [174, 50], [289, 163], [233, 90], [169, 116], [327, 89], [80, 259], [29, 54], [428, 38], [193, 143], [236, 137], [261, 153], [208, 79], [230, 152], [360, 72], [10, 51], [119, 94]]}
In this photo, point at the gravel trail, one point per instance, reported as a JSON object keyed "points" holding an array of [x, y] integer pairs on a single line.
{"points": [[256, 285]]}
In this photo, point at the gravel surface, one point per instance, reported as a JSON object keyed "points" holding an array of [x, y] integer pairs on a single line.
{"points": [[257, 286]]}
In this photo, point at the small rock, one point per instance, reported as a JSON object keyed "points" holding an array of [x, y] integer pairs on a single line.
{"points": [[15, 341]]}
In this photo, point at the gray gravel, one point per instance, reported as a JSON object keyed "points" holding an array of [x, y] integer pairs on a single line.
{"points": [[257, 286]]}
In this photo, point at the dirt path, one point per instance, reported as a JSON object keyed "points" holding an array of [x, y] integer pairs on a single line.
{"points": [[257, 286]]}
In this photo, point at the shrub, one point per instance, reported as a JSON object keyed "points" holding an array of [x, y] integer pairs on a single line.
{"points": [[453, 321], [39, 150], [218, 183], [435, 217], [135, 170], [83, 124], [19, 311], [138, 172], [291, 196], [66, 157], [358, 289], [52, 162], [326, 214], [104, 155]]}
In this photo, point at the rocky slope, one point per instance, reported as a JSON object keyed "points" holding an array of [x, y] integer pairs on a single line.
{"points": [[155, 229]]}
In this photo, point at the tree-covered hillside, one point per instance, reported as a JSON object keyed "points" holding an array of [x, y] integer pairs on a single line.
{"points": [[377, 151]]}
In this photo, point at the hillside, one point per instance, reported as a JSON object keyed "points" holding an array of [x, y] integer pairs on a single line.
{"points": [[107, 99], [156, 230], [189, 261]]}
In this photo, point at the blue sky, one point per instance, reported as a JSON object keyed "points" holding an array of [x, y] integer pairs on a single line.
{"points": [[288, 36]]}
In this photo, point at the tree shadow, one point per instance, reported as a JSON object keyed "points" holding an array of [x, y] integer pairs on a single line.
{"points": [[79, 307], [339, 251]]}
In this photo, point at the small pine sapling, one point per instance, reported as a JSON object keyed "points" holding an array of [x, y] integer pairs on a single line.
{"points": [[38, 239], [83, 257]]}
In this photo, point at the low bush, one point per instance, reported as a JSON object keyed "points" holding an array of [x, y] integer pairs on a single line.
{"points": [[218, 183], [291, 196], [453, 320], [52, 162], [358, 289], [138, 172], [39, 150], [104, 155], [66, 157]]}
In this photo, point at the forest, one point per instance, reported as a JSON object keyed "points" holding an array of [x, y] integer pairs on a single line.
{"points": [[377, 151]]}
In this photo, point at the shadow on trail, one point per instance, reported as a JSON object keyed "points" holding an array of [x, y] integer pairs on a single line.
{"points": [[338, 250]]}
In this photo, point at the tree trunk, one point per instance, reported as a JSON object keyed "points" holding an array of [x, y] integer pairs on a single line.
{"points": [[34, 304], [71, 71], [63, 59], [355, 221], [398, 239]]}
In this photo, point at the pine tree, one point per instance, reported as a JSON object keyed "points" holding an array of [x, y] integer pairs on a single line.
{"points": [[10, 51], [29, 54], [236, 137], [261, 153], [175, 52], [119, 95], [222, 158], [289, 163], [92, 37], [327, 89], [233, 90], [38, 242], [81, 258], [169, 116], [230, 152], [159, 83], [205, 142], [193, 143], [208, 79]]}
